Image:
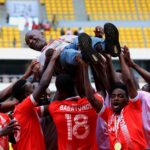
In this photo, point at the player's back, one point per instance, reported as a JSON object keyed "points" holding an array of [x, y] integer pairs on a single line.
{"points": [[75, 120]]}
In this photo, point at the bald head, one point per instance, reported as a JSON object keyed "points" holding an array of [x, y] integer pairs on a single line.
{"points": [[99, 31], [35, 40]]}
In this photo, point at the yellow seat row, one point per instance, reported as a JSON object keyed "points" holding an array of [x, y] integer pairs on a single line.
{"points": [[118, 9], [2, 1], [147, 36], [10, 37], [42, 2], [63, 9]]}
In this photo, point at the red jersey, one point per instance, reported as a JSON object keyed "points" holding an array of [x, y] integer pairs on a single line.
{"points": [[127, 127], [75, 120], [30, 135], [4, 120]]}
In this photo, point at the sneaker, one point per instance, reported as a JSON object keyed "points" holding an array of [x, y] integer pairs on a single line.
{"points": [[85, 44], [112, 45]]}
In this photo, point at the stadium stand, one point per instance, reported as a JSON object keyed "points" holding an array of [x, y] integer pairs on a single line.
{"points": [[42, 2], [111, 10], [121, 10], [118, 9], [143, 8], [52, 34], [63, 9], [147, 36], [2, 1], [132, 37], [10, 37]]}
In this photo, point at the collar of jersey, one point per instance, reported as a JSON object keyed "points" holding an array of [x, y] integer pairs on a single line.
{"points": [[74, 97]]}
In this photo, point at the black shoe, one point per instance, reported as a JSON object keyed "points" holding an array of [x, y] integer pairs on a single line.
{"points": [[112, 45], [85, 44]]}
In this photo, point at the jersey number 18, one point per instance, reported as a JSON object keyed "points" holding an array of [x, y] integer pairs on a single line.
{"points": [[79, 121]]}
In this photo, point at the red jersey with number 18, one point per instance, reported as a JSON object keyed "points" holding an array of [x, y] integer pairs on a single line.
{"points": [[75, 120]]}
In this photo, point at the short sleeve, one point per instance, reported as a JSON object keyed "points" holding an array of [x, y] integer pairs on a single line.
{"points": [[135, 103], [27, 106]]}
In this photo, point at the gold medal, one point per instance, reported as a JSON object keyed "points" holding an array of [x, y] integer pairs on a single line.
{"points": [[117, 146]]}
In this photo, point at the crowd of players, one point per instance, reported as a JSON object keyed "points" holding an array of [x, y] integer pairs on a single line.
{"points": [[114, 115]]}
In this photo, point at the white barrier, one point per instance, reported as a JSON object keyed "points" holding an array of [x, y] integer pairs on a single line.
{"points": [[28, 54], [18, 54]]}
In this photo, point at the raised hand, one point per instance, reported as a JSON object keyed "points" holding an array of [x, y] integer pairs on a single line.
{"points": [[34, 67], [126, 54]]}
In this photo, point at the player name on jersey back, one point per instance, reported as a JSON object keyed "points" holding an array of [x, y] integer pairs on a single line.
{"points": [[75, 108]]}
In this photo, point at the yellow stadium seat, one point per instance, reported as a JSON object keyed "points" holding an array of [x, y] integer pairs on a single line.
{"points": [[42, 2], [18, 45], [118, 9], [62, 8], [2, 1], [8, 36], [143, 8], [147, 36]]}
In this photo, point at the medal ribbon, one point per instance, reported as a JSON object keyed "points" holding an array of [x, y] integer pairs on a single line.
{"points": [[119, 121]]}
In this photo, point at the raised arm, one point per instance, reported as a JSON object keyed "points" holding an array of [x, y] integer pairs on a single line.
{"points": [[145, 74], [96, 104], [40, 68], [127, 77], [46, 77], [111, 70], [8, 105], [4, 94], [101, 76]]}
